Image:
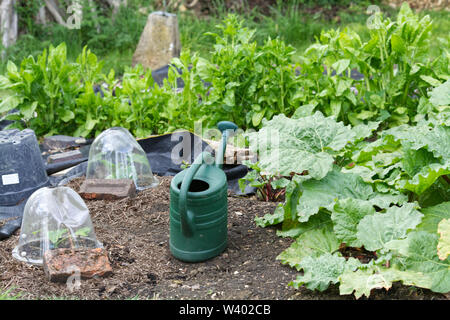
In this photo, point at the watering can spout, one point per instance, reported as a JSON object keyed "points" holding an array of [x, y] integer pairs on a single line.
{"points": [[226, 127]]}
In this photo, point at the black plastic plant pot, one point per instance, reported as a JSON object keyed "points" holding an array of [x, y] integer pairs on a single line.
{"points": [[22, 170]]}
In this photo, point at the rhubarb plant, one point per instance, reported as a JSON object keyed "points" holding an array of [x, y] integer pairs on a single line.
{"points": [[381, 193]]}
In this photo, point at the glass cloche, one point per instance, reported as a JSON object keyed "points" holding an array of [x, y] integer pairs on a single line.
{"points": [[115, 154], [54, 218]]}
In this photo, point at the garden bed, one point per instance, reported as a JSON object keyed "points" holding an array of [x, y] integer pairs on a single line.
{"points": [[135, 232]]}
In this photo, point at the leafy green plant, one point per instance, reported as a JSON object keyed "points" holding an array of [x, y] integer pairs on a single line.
{"points": [[395, 210], [413, 159], [246, 82], [55, 96], [59, 236], [44, 90], [269, 188], [397, 73]]}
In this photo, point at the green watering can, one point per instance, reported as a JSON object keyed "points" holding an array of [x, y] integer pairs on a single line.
{"points": [[199, 206]]}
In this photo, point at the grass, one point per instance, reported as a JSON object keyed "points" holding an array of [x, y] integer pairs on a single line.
{"points": [[294, 22], [6, 294]]}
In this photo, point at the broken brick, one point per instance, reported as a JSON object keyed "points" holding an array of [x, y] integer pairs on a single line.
{"points": [[107, 189], [60, 264]]}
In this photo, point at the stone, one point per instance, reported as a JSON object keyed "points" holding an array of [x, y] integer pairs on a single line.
{"points": [[107, 189], [60, 264], [159, 42]]}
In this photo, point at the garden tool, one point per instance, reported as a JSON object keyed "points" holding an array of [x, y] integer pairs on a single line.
{"points": [[199, 206]]}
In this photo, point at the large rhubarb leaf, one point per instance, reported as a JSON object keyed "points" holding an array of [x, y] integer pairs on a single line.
{"points": [[312, 243], [294, 228], [419, 253], [444, 239], [413, 161], [432, 216], [425, 178], [307, 144], [317, 194], [440, 96], [347, 213], [434, 139], [408, 158], [364, 280], [374, 231], [320, 271]]}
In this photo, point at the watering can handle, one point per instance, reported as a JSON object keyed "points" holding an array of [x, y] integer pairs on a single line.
{"points": [[225, 127], [187, 217]]}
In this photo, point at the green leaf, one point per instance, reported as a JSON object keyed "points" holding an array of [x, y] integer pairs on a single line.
{"points": [[67, 115], [11, 67], [425, 178], [55, 236], [257, 117], [229, 98], [435, 139], [312, 243], [376, 230], [29, 109], [294, 228], [397, 43], [432, 216], [83, 232], [363, 131], [341, 65], [320, 271], [440, 96], [365, 114], [430, 80], [363, 281], [415, 160], [346, 215], [280, 183], [10, 102], [296, 145], [90, 123], [335, 106], [419, 253], [304, 111], [271, 219], [443, 246], [322, 193]]}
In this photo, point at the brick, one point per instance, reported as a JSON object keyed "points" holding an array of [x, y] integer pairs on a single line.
{"points": [[107, 189], [65, 156], [60, 264]]}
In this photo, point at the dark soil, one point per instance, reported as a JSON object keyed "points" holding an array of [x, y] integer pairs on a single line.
{"points": [[135, 232]]}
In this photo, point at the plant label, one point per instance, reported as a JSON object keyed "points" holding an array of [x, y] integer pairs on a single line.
{"points": [[9, 179]]}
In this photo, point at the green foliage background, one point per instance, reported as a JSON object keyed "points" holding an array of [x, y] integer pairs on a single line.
{"points": [[364, 163]]}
